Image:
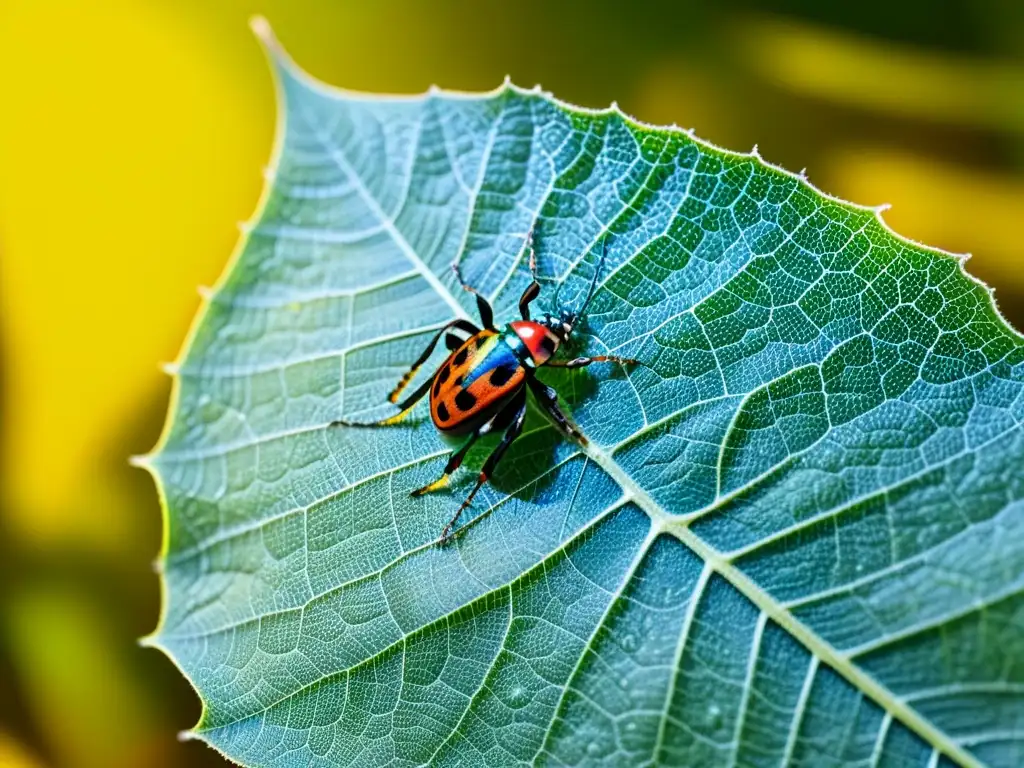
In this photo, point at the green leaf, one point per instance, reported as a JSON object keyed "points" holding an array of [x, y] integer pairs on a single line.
{"points": [[797, 537]]}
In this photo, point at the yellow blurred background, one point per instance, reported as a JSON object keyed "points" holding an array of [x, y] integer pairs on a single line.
{"points": [[132, 139]]}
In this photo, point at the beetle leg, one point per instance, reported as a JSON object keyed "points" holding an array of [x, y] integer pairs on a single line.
{"points": [[518, 408], [579, 362], [533, 289], [454, 462], [531, 293], [548, 399], [482, 305], [462, 325], [406, 408]]}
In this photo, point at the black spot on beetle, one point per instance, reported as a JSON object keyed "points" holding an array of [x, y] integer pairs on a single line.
{"points": [[548, 344], [442, 412], [500, 375], [464, 400], [460, 356], [442, 377]]}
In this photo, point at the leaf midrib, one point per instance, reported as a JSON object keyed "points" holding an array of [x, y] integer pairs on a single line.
{"points": [[814, 643], [664, 522]]}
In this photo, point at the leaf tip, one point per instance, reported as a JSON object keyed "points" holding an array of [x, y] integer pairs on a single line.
{"points": [[171, 369], [245, 227], [205, 292], [184, 736], [880, 209], [261, 28]]}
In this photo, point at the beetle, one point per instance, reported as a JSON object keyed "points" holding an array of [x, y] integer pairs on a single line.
{"points": [[481, 387]]}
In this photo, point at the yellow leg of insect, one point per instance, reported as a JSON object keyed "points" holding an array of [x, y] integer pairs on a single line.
{"points": [[454, 462], [390, 420], [400, 416], [462, 325], [402, 384], [513, 431], [441, 482], [406, 405]]}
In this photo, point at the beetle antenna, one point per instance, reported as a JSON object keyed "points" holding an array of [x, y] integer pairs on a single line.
{"points": [[558, 292], [593, 283]]}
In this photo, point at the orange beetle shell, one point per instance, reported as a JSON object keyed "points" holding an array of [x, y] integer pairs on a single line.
{"points": [[474, 383]]}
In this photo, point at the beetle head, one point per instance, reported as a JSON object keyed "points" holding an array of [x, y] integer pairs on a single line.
{"points": [[563, 324]]}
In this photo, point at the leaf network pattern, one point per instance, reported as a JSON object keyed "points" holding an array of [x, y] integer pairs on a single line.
{"points": [[796, 539]]}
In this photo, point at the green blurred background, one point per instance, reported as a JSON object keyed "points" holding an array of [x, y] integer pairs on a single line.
{"points": [[132, 138]]}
